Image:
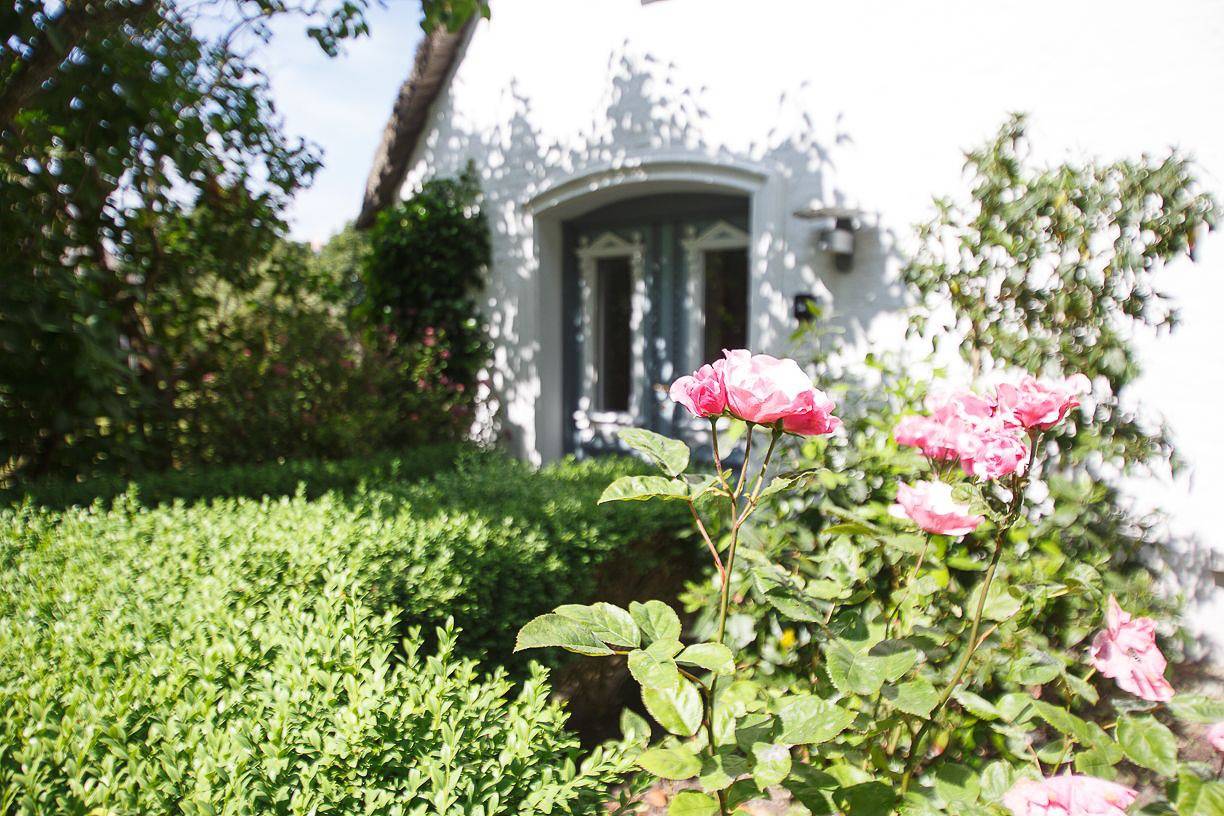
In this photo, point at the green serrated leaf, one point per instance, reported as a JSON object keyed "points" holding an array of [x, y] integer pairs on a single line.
{"points": [[671, 763], [653, 669], [997, 779], [641, 488], [1066, 722], [609, 623], [713, 657], [656, 621], [722, 769], [692, 803], [855, 672], [677, 709], [807, 720], [866, 799], [1196, 708], [976, 705], [1146, 742], [956, 784], [554, 630], [771, 763], [671, 455], [917, 696]]}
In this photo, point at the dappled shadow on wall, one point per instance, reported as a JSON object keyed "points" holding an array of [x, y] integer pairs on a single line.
{"points": [[649, 114]]}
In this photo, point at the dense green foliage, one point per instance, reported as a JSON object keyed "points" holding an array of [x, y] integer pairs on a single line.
{"points": [[152, 313], [422, 275], [310, 478], [241, 655]]}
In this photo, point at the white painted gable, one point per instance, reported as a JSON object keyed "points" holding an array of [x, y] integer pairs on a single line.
{"points": [[564, 106]]}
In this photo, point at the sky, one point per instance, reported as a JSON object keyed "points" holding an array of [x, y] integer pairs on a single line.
{"points": [[341, 104]]}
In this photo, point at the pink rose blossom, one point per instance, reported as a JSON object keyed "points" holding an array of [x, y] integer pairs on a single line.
{"points": [[961, 406], [764, 390], [936, 440], [1215, 737], [991, 454], [813, 417], [930, 505], [761, 388], [701, 392], [1041, 404], [1068, 795], [1126, 651]]}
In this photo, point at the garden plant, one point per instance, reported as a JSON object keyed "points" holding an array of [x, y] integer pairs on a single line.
{"points": [[877, 730]]}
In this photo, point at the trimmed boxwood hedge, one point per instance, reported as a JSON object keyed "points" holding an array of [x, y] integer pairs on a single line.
{"points": [[240, 655]]}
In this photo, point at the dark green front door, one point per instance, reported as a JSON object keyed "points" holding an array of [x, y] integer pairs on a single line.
{"points": [[654, 286]]}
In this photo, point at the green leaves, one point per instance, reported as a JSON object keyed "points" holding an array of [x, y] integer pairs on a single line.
{"points": [[641, 488], [554, 630], [671, 763], [656, 621], [692, 803], [856, 672], [917, 697], [807, 720], [678, 709], [713, 657], [1196, 708], [1148, 743], [587, 630], [654, 668], [670, 455]]}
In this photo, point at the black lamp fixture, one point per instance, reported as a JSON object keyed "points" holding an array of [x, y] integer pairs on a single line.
{"points": [[836, 230]]}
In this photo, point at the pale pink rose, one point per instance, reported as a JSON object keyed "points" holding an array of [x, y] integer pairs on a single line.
{"points": [[1068, 795], [961, 406], [814, 416], [1126, 651], [991, 454], [1215, 737], [936, 440], [701, 392], [930, 505], [1032, 403], [764, 389]]}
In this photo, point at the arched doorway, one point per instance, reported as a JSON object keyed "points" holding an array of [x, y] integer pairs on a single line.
{"points": [[652, 287]]}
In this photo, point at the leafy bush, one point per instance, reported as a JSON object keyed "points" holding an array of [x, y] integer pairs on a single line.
{"points": [[477, 542], [422, 274], [309, 477], [939, 690], [241, 655]]}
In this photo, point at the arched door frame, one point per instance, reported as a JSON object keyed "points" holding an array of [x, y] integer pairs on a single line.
{"points": [[607, 184]]}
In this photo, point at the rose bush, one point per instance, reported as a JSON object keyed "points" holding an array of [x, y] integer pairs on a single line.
{"points": [[903, 711]]}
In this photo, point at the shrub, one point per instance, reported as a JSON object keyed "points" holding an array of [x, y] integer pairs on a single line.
{"points": [[132, 699], [310, 478], [241, 655], [931, 684], [424, 269], [476, 542]]}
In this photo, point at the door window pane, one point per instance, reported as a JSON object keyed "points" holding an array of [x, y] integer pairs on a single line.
{"points": [[726, 302], [614, 305]]}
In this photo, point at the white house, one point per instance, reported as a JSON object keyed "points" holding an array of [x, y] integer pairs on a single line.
{"points": [[661, 178]]}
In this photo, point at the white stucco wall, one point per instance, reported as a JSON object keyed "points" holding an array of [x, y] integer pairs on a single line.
{"points": [[867, 104]]}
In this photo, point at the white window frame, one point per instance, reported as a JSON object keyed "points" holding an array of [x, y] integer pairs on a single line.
{"points": [[590, 422], [719, 236]]}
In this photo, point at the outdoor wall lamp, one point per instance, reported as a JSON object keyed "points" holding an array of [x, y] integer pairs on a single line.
{"points": [[835, 233]]}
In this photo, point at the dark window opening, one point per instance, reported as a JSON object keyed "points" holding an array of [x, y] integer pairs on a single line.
{"points": [[614, 301], [726, 302]]}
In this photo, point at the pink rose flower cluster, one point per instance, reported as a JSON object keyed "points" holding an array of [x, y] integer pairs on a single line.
{"points": [[1126, 651], [1068, 795], [760, 389], [985, 434]]}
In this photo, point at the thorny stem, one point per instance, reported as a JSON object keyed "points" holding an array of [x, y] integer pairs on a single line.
{"points": [[709, 542], [738, 516]]}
